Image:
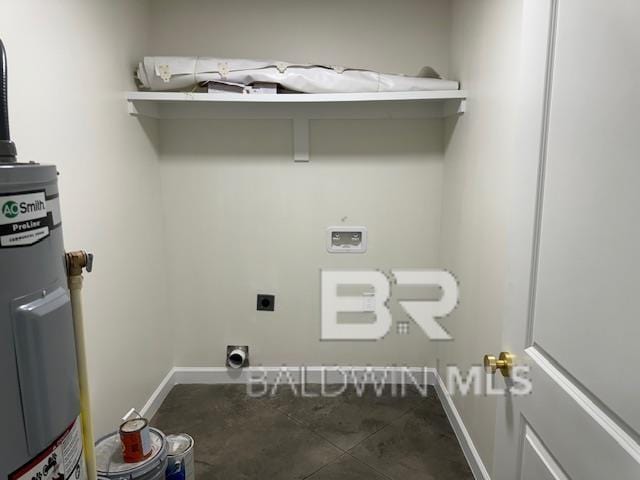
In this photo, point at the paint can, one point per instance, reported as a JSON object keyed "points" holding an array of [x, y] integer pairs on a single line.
{"points": [[180, 464], [135, 439], [111, 465]]}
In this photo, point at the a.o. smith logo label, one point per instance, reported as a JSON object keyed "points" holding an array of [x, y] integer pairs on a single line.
{"points": [[26, 218]]}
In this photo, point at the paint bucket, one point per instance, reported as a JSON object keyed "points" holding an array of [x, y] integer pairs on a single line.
{"points": [[180, 464], [111, 465], [135, 439]]}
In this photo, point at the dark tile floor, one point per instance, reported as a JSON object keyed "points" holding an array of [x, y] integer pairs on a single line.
{"points": [[286, 436]]}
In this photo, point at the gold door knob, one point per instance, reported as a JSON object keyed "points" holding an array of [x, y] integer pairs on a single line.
{"points": [[504, 363]]}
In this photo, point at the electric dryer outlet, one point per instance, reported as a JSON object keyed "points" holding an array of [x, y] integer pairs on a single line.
{"points": [[266, 302]]}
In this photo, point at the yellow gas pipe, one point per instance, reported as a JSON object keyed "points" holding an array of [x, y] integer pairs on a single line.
{"points": [[76, 262]]}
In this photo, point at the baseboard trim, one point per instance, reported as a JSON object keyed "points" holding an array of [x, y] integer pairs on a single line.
{"points": [[159, 394], [223, 375], [464, 438], [297, 375], [330, 375]]}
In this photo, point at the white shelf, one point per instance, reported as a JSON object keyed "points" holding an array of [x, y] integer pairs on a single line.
{"points": [[296, 97], [426, 104], [299, 107]]}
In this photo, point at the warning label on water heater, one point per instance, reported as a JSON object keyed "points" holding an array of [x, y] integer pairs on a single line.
{"points": [[27, 218], [63, 460]]}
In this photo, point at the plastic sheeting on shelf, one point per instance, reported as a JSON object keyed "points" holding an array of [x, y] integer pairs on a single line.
{"points": [[179, 73]]}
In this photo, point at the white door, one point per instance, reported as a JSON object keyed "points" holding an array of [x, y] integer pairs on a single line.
{"points": [[573, 310]]}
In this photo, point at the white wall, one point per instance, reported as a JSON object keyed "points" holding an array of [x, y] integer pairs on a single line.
{"points": [[400, 36], [242, 218], [484, 57], [69, 63]]}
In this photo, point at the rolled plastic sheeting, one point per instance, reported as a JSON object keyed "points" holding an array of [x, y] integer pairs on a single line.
{"points": [[179, 73]]}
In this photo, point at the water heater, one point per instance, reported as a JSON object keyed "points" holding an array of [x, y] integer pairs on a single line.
{"points": [[41, 435]]}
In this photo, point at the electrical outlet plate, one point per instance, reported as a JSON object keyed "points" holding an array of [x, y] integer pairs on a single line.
{"points": [[346, 239]]}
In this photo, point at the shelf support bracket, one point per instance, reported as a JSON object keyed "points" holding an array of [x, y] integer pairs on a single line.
{"points": [[300, 139], [456, 106], [143, 109]]}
